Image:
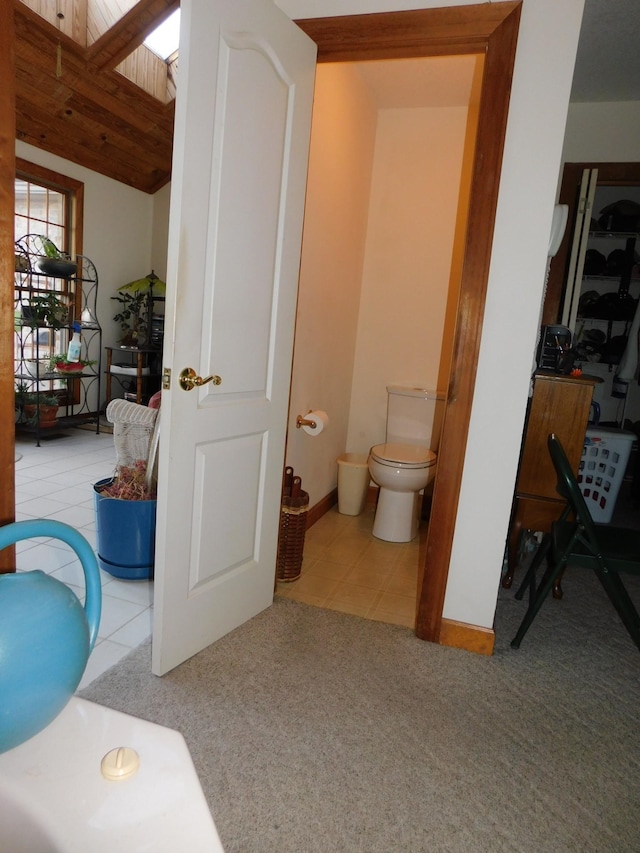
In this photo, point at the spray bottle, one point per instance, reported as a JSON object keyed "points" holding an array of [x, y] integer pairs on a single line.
{"points": [[73, 353]]}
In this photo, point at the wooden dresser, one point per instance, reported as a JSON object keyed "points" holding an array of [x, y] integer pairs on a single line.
{"points": [[560, 404]]}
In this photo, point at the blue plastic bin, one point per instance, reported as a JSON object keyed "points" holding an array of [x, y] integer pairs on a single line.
{"points": [[126, 535]]}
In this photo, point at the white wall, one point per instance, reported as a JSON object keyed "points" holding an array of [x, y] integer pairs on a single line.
{"points": [[603, 133], [545, 58], [159, 231], [341, 157], [379, 224], [412, 216]]}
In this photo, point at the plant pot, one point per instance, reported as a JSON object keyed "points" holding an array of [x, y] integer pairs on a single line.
{"points": [[36, 368], [47, 415], [58, 267], [132, 339], [126, 533], [69, 366]]}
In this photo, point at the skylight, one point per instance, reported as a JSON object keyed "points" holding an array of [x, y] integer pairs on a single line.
{"points": [[165, 38]]}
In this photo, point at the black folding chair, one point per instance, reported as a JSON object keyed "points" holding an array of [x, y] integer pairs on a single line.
{"points": [[579, 543]]}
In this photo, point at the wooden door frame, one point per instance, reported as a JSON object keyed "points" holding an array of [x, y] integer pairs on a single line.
{"points": [[7, 214], [492, 29]]}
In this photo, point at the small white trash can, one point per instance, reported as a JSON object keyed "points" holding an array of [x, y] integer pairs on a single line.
{"points": [[353, 483]]}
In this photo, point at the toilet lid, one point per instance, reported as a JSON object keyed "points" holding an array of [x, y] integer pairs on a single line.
{"points": [[403, 455]]}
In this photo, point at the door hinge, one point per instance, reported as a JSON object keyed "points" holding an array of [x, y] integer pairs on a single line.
{"points": [[166, 378]]}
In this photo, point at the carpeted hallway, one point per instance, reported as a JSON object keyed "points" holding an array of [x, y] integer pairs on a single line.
{"points": [[319, 731]]}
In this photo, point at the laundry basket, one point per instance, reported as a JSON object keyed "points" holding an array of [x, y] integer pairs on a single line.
{"points": [[602, 468]]}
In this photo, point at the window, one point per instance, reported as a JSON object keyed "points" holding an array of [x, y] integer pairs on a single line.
{"points": [[48, 204]]}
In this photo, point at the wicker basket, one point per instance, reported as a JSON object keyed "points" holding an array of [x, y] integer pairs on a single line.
{"points": [[293, 525]]}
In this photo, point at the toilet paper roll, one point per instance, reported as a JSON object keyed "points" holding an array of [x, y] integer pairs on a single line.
{"points": [[321, 420]]}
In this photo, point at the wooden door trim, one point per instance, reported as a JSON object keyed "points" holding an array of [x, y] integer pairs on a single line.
{"points": [[492, 29], [7, 215]]}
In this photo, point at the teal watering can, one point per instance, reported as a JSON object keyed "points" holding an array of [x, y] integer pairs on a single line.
{"points": [[46, 635]]}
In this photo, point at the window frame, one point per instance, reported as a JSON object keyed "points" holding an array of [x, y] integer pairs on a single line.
{"points": [[70, 187], [73, 191]]}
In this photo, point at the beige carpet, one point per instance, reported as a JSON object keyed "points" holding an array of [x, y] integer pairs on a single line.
{"points": [[317, 731]]}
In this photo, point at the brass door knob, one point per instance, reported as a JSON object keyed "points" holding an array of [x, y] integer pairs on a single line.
{"points": [[189, 379]]}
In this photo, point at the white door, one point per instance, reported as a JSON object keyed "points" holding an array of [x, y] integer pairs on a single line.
{"points": [[243, 118]]}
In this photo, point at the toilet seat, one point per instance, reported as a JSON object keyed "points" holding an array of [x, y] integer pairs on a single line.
{"points": [[397, 455]]}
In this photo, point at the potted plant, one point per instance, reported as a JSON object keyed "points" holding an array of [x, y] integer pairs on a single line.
{"points": [[20, 398], [133, 317], [55, 263], [45, 309], [60, 364], [137, 298], [40, 409], [125, 507], [125, 504]]}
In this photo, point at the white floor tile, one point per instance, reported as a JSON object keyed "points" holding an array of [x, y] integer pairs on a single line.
{"points": [[135, 631], [70, 478], [47, 559], [72, 574], [71, 495], [138, 592], [115, 614], [76, 516], [36, 488], [41, 507], [56, 481], [89, 533]]}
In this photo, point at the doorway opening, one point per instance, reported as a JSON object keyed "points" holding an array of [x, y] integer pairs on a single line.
{"points": [[493, 29], [391, 156]]}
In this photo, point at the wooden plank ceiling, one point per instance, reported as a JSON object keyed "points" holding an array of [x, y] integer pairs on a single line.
{"points": [[71, 100]]}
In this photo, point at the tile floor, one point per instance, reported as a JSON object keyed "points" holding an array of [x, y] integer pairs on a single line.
{"points": [[55, 481], [346, 568]]}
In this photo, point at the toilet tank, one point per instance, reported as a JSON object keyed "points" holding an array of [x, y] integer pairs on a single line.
{"points": [[414, 415]]}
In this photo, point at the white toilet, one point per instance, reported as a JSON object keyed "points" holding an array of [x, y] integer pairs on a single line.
{"points": [[406, 463]]}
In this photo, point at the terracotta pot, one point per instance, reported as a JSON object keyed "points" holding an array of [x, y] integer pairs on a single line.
{"points": [[48, 415]]}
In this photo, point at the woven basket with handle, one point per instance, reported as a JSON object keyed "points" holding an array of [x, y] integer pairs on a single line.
{"points": [[293, 525]]}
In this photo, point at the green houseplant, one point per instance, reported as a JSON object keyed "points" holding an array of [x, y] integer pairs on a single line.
{"points": [[20, 398], [136, 300], [45, 309], [59, 363], [40, 409], [133, 317]]}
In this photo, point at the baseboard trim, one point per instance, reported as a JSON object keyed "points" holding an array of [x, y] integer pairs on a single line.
{"points": [[318, 510], [473, 638]]}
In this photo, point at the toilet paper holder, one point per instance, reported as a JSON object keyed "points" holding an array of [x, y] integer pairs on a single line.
{"points": [[300, 421]]}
